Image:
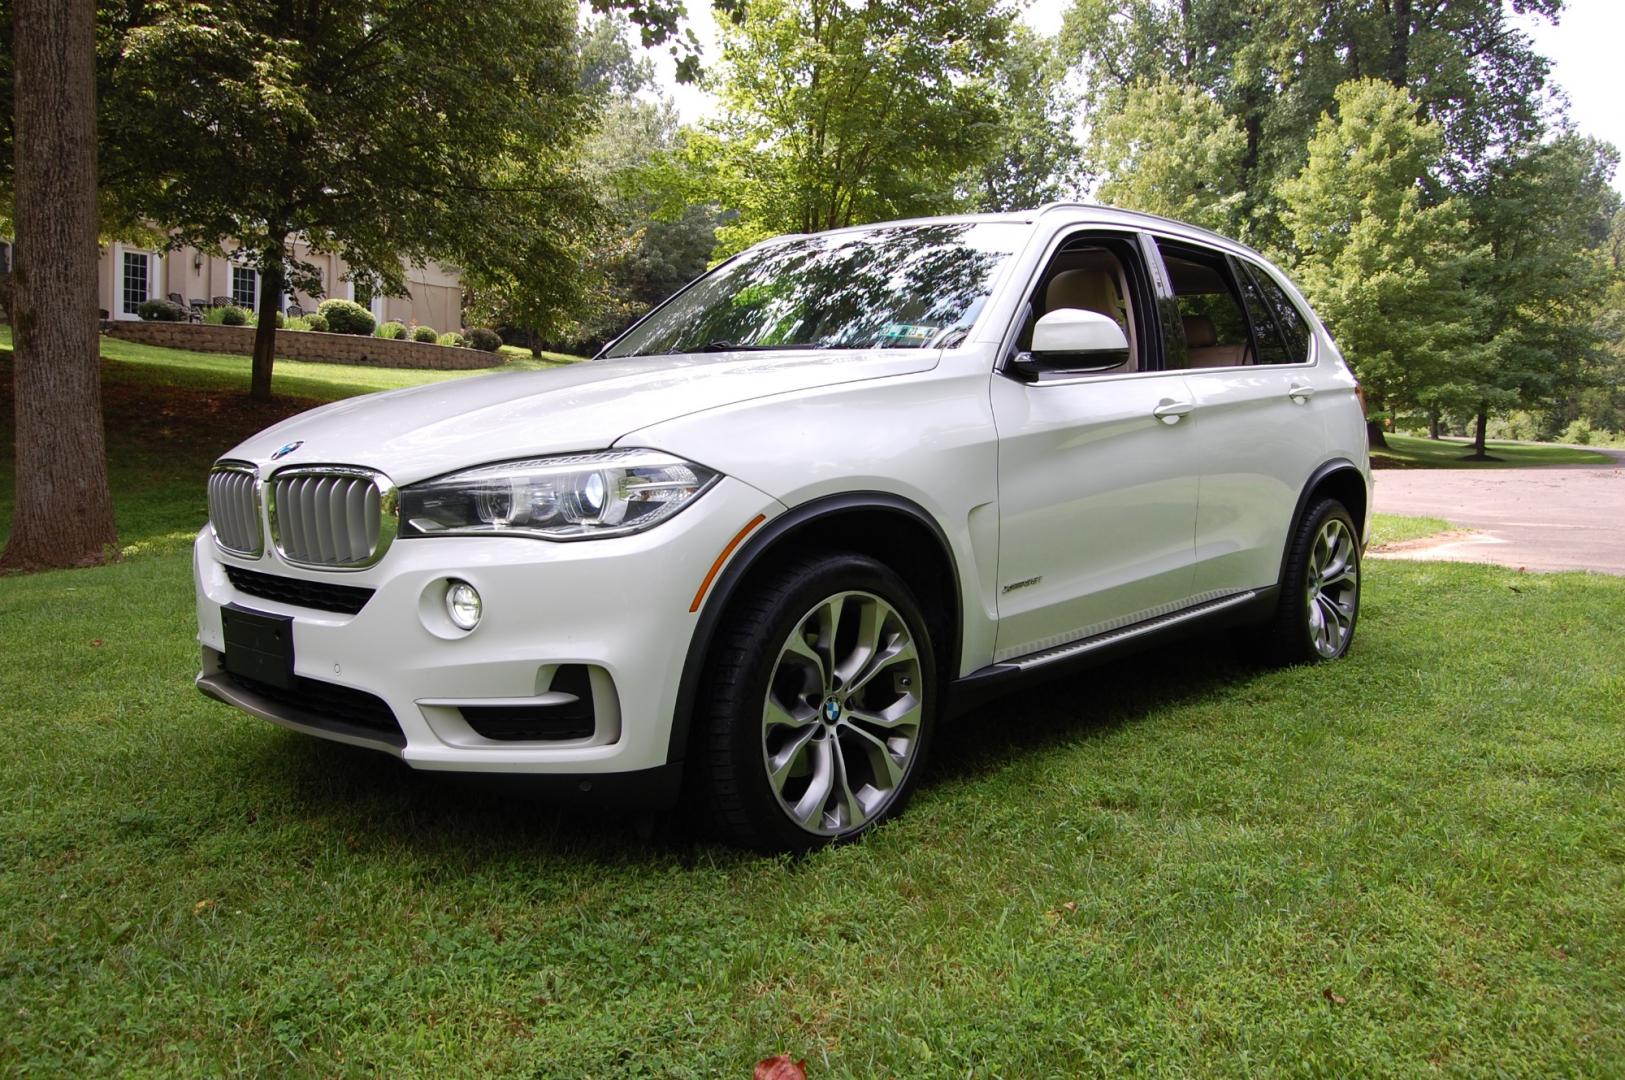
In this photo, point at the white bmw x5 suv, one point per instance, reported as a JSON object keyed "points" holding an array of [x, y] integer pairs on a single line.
{"points": [[832, 491]]}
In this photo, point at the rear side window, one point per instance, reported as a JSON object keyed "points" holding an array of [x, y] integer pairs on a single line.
{"points": [[1289, 322], [1212, 318]]}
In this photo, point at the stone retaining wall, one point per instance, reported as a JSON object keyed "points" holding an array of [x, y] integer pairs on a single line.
{"points": [[306, 345]]}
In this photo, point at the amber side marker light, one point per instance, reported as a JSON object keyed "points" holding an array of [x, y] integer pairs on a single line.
{"points": [[722, 558], [1359, 395]]}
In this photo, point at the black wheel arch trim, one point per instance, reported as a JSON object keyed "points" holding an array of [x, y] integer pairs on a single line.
{"points": [[760, 544], [1326, 469]]}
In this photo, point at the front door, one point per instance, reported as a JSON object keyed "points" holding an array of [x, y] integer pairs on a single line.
{"points": [[1097, 478]]}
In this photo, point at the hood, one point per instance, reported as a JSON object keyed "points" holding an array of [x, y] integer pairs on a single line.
{"points": [[433, 429]]}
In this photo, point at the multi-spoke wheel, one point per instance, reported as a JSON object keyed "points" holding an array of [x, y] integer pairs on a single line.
{"points": [[1320, 590], [820, 697]]}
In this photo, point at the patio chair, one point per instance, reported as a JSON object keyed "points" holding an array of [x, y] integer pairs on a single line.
{"points": [[295, 311], [221, 301]]}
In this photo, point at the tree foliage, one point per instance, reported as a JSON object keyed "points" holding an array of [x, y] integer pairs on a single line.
{"points": [[1385, 267], [1171, 149], [834, 113], [1034, 157]]}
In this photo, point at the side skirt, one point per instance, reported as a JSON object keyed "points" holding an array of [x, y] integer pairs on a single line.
{"points": [[984, 684]]}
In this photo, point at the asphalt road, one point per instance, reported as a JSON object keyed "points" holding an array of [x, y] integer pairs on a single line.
{"points": [[1557, 517]]}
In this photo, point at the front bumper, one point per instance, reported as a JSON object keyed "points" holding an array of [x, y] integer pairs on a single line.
{"points": [[618, 607]]}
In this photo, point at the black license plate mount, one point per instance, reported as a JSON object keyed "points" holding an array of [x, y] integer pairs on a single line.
{"points": [[258, 646]]}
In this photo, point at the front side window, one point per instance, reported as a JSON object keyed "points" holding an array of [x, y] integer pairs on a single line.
{"points": [[137, 282], [1211, 315], [897, 287], [244, 282]]}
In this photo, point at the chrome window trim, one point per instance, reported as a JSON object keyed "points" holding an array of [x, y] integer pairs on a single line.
{"points": [[389, 501], [249, 469]]}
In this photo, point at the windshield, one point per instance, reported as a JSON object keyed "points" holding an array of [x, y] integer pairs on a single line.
{"points": [[895, 287]]}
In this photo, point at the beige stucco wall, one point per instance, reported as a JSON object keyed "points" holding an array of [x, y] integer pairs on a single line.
{"points": [[435, 293]]}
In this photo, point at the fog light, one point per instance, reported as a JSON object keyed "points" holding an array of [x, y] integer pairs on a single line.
{"points": [[463, 605]]}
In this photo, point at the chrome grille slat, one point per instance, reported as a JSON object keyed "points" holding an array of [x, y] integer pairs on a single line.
{"points": [[234, 509], [332, 516]]}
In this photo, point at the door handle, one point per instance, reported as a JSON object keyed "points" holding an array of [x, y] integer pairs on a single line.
{"points": [[1301, 393], [1169, 412]]}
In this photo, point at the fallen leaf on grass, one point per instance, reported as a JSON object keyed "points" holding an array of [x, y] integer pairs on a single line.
{"points": [[201, 906], [780, 1068], [1334, 998], [96, 644]]}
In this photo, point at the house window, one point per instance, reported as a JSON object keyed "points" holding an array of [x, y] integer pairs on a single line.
{"points": [[135, 288], [244, 287]]}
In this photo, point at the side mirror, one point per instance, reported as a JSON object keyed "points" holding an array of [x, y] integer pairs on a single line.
{"points": [[1074, 339]]}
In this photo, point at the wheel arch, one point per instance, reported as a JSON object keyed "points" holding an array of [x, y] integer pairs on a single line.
{"points": [[895, 530], [1340, 479]]}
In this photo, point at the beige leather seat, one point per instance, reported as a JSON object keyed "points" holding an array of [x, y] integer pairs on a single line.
{"points": [[1093, 290], [1202, 342]]}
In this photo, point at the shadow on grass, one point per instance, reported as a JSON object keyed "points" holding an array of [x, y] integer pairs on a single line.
{"points": [[381, 804]]}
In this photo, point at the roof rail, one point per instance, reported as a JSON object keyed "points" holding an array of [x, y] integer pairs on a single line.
{"points": [[1080, 205]]}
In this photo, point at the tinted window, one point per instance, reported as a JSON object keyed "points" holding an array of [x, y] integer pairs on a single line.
{"points": [[1289, 321], [902, 287], [1211, 315], [1271, 349]]}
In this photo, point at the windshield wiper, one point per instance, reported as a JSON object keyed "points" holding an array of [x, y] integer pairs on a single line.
{"points": [[728, 346]]}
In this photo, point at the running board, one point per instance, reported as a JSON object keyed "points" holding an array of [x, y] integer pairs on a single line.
{"points": [[1150, 626]]}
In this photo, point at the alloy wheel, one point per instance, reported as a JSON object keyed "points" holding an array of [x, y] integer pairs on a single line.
{"points": [[841, 720], [1333, 588]]}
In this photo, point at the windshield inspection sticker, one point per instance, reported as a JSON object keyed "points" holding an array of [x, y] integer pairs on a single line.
{"points": [[906, 333]]}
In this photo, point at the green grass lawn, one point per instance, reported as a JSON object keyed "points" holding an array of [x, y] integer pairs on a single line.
{"points": [[1414, 452], [1410, 861]]}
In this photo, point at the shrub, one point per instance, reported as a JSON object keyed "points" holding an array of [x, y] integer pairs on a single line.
{"points": [[1578, 433], [226, 316], [425, 334], [296, 322], [317, 323], [451, 337], [392, 331], [346, 317], [281, 321], [156, 310], [484, 340]]}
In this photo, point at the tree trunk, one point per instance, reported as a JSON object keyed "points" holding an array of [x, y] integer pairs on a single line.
{"points": [[1478, 433], [64, 512], [1433, 425], [271, 282], [1374, 435]]}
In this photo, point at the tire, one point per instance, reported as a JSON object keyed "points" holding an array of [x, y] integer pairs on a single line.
{"points": [[1320, 588], [806, 740]]}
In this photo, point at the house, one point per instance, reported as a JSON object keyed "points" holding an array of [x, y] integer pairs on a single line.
{"points": [[129, 274]]}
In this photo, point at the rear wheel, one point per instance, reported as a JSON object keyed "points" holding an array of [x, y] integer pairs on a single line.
{"points": [[818, 705], [1320, 590]]}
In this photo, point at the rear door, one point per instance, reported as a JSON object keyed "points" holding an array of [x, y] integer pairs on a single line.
{"points": [[1097, 493], [1257, 428]]}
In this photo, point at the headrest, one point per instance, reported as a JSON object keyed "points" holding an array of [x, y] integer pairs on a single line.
{"points": [[1091, 290], [1199, 332]]}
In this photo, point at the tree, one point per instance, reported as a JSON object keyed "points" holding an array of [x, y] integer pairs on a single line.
{"points": [[835, 112], [1275, 65], [1172, 150], [382, 131], [1385, 269], [1035, 157], [64, 515], [1544, 211]]}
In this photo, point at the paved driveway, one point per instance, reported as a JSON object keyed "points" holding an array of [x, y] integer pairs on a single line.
{"points": [[1557, 517]]}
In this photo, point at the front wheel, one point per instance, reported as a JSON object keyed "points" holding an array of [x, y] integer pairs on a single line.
{"points": [[818, 704], [1320, 590]]}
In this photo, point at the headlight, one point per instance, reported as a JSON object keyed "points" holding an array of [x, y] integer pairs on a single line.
{"points": [[569, 497]]}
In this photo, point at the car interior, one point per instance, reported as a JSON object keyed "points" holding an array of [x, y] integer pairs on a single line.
{"points": [[1216, 331], [1091, 277]]}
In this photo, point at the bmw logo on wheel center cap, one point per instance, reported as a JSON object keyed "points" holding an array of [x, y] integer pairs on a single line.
{"points": [[832, 711]]}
